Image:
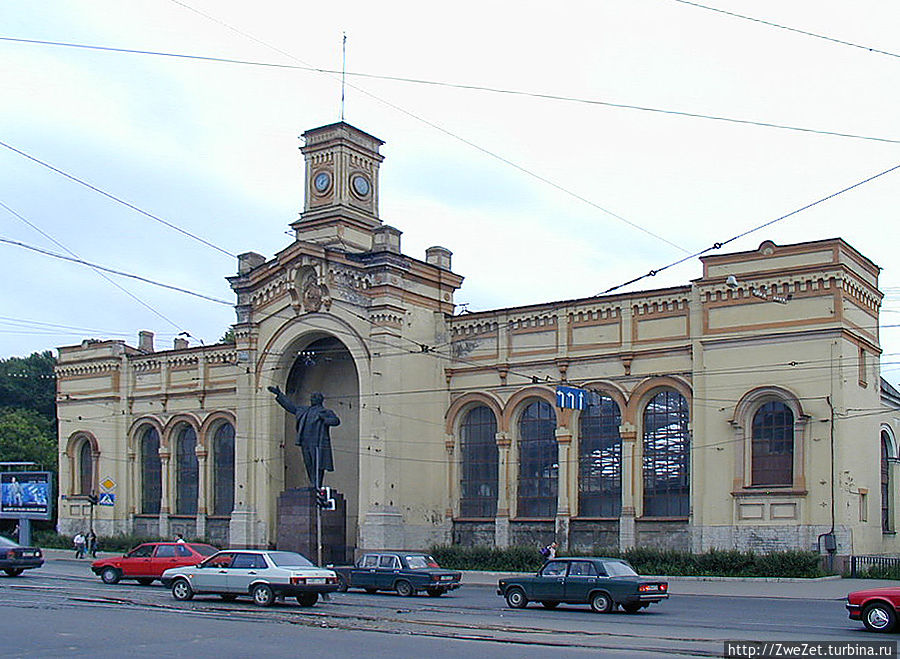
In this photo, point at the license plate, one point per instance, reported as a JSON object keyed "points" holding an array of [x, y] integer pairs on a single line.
{"points": [[316, 580], [29, 554], [447, 578]]}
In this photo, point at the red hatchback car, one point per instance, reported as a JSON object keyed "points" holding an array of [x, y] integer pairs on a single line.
{"points": [[876, 607], [148, 561]]}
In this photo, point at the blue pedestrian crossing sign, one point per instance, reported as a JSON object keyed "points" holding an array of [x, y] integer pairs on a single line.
{"points": [[573, 397], [107, 499]]}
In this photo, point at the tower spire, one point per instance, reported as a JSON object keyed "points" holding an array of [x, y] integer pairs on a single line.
{"points": [[343, 71]]}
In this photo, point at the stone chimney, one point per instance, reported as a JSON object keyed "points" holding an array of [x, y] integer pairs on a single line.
{"points": [[439, 257], [386, 239], [249, 260], [180, 343], [145, 341]]}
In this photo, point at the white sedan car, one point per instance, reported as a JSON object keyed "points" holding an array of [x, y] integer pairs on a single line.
{"points": [[263, 575]]}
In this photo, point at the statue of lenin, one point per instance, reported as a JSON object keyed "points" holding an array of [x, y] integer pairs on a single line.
{"points": [[313, 423]]}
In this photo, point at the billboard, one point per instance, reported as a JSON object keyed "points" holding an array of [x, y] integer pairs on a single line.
{"points": [[26, 494]]}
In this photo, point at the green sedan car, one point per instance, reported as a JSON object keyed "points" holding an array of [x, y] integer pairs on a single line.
{"points": [[604, 583]]}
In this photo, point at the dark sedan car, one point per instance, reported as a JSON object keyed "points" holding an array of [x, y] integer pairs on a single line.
{"points": [[604, 583], [407, 573], [14, 558]]}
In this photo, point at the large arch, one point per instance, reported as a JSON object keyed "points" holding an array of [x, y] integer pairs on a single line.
{"points": [[77, 443], [464, 403], [281, 364]]}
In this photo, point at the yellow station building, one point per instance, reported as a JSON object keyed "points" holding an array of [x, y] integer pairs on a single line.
{"points": [[744, 409]]}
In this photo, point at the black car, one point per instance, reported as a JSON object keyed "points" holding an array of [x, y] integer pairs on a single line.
{"points": [[407, 573], [604, 583], [14, 558]]}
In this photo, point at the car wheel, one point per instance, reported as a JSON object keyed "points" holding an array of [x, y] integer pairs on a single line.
{"points": [[434, 592], [879, 617], [371, 590], [631, 608], [307, 599], [549, 605], [182, 591], [14, 571], [404, 588], [516, 599], [601, 603], [144, 581], [342, 584], [262, 595], [110, 575], [228, 597]]}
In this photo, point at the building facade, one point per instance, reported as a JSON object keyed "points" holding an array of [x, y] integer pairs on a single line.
{"points": [[744, 409]]}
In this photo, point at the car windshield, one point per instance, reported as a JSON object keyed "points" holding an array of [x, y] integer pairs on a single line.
{"points": [[289, 559], [420, 562], [619, 569], [5, 542], [204, 550]]}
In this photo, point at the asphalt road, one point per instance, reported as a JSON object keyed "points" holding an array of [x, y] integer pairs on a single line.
{"points": [[63, 610]]}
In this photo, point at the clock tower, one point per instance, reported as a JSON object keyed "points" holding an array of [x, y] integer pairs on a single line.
{"points": [[341, 207]]}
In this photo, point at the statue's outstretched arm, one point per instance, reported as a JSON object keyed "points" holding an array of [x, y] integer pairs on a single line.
{"points": [[283, 400]]}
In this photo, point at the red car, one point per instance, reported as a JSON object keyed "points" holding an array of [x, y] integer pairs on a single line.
{"points": [[148, 561], [876, 607]]}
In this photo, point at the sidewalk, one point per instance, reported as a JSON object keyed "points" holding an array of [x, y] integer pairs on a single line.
{"points": [[824, 588]]}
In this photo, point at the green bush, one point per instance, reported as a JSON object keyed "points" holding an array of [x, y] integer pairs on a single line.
{"points": [[880, 572], [646, 560]]}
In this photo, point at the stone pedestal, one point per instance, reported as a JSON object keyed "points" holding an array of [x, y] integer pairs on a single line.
{"points": [[297, 526]]}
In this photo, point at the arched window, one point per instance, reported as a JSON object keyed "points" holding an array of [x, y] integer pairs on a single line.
{"points": [[85, 468], [600, 460], [538, 461], [887, 523], [223, 470], [187, 472], [151, 472], [773, 445], [478, 462], [667, 447]]}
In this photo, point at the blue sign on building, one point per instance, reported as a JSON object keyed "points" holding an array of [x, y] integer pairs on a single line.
{"points": [[573, 397], [107, 499]]}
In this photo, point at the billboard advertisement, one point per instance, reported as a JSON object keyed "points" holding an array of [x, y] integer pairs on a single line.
{"points": [[26, 494]]}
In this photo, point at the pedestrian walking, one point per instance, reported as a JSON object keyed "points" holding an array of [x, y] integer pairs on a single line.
{"points": [[79, 542], [549, 551], [179, 538], [92, 543]]}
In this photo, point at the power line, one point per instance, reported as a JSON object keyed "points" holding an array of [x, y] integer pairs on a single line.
{"points": [[156, 218], [467, 87], [107, 278], [115, 272], [719, 245], [789, 29], [507, 161]]}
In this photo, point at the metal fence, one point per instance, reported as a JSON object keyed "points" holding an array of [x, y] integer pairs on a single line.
{"points": [[865, 563]]}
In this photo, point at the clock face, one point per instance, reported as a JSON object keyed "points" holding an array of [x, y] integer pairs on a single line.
{"points": [[360, 185], [322, 181]]}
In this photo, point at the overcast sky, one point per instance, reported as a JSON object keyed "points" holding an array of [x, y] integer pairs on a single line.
{"points": [[213, 147]]}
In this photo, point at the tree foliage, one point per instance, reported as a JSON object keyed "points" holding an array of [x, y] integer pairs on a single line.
{"points": [[28, 410], [27, 436], [29, 383]]}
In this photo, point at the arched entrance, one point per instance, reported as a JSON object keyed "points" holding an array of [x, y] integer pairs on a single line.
{"points": [[325, 365]]}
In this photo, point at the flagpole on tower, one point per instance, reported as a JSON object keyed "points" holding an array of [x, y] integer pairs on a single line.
{"points": [[343, 72]]}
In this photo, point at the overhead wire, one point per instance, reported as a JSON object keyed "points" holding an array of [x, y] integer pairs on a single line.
{"points": [[118, 200], [466, 87], [99, 272], [146, 280], [788, 28], [719, 245], [447, 132]]}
